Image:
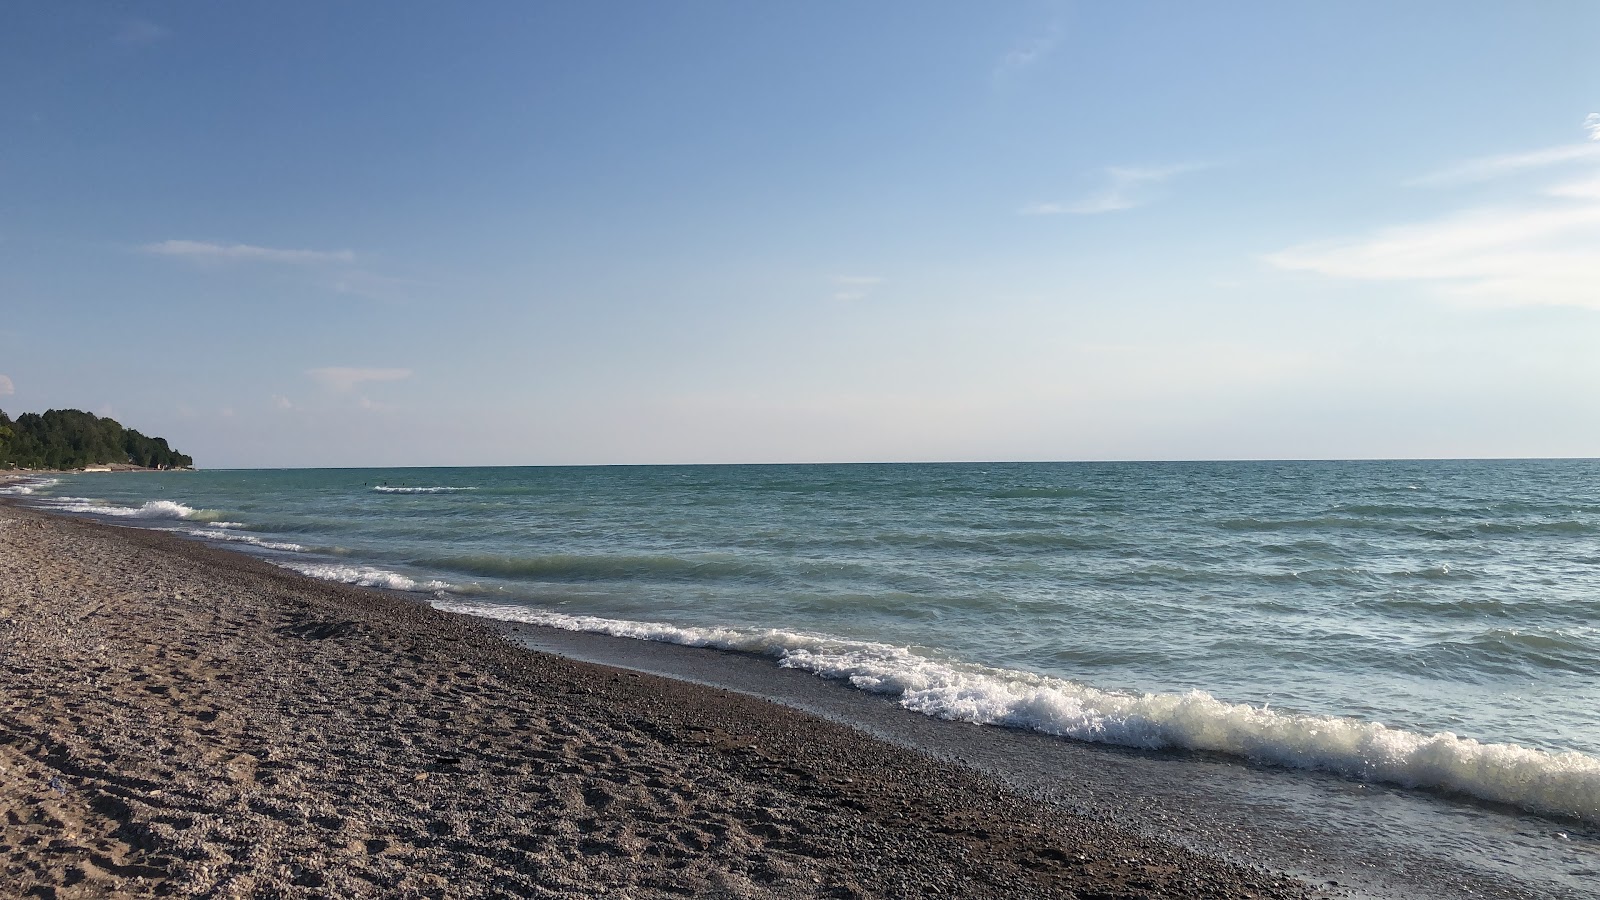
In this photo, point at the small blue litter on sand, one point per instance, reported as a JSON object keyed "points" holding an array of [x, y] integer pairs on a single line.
{"points": [[57, 786]]}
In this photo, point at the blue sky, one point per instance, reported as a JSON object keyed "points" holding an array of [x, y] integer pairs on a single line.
{"points": [[515, 233]]}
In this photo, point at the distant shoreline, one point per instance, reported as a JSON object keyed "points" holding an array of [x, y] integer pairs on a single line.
{"points": [[13, 474]]}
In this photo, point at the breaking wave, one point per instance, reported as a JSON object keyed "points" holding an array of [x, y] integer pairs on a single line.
{"points": [[385, 489], [26, 487], [1564, 784], [217, 534], [365, 576], [153, 509]]}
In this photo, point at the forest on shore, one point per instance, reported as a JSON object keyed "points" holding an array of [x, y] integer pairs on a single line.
{"points": [[72, 439]]}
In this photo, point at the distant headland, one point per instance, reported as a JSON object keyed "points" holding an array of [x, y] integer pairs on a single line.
{"points": [[74, 439]]}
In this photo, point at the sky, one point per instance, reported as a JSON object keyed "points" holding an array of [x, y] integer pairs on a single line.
{"points": [[518, 233]]}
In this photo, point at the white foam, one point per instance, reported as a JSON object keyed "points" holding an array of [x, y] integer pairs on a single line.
{"points": [[153, 509], [385, 489], [26, 487], [216, 534], [1565, 784], [365, 576]]}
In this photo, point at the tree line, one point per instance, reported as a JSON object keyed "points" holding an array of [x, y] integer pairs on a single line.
{"points": [[72, 439]]}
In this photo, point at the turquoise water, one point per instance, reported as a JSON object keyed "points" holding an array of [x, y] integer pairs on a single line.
{"points": [[1434, 624]]}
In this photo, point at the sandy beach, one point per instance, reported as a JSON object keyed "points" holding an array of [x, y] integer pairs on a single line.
{"points": [[184, 721]]}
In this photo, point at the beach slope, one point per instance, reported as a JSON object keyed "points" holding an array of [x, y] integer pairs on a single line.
{"points": [[180, 720]]}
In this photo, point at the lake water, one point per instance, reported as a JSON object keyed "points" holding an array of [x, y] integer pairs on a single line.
{"points": [[1430, 624]]}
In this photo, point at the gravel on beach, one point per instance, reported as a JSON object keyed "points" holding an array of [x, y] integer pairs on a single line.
{"points": [[179, 720]]}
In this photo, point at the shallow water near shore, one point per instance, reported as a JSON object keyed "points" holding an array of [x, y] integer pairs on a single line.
{"points": [[1352, 838], [1417, 624]]}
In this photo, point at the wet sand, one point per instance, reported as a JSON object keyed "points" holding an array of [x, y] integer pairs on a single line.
{"points": [[181, 720]]}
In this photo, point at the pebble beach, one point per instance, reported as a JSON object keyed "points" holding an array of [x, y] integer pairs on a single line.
{"points": [[185, 721]]}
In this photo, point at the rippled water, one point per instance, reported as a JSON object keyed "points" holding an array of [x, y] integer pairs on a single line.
{"points": [[1277, 611]]}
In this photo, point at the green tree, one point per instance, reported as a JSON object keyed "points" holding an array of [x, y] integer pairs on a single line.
{"points": [[72, 439]]}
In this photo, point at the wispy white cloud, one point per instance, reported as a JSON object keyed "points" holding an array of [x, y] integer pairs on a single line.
{"points": [[1490, 167], [373, 286], [1028, 53], [139, 31], [1539, 252], [343, 378], [281, 402], [1126, 187], [856, 287], [1509, 164], [210, 252], [6, 387], [1587, 189]]}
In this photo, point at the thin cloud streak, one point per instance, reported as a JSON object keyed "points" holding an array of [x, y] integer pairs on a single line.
{"points": [[856, 287], [1027, 54], [373, 286], [1491, 167], [139, 31], [210, 252], [345, 378], [1127, 187]]}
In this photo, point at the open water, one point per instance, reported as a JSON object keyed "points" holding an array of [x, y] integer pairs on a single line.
{"points": [[1433, 625]]}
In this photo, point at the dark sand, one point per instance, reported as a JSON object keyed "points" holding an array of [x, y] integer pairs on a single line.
{"points": [[181, 720]]}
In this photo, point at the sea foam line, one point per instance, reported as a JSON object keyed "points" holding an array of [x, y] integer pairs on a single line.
{"points": [[385, 489], [365, 576], [25, 487], [217, 534], [153, 509], [1564, 784]]}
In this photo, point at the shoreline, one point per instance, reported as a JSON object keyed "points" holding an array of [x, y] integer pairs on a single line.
{"points": [[9, 475], [167, 699], [1371, 840]]}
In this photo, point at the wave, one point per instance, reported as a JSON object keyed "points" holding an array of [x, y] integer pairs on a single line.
{"points": [[1568, 526], [217, 534], [1563, 784], [577, 567], [27, 486], [1510, 651], [1317, 523], [1049, 493], [1396, 509], [153, 509], [385, 489], [365, 576]]}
